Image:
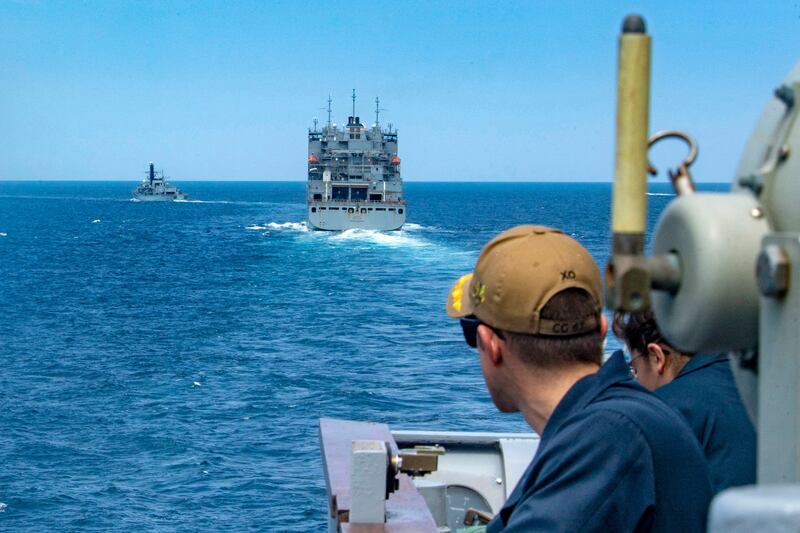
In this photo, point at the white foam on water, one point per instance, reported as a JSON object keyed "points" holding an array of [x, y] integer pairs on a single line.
{"points": [[288, 226], [210, 202], [96, 221], [400, 238], [3, 507], [225, 202], [660, 194], [409, 226], [393, 238], [3, 234]]}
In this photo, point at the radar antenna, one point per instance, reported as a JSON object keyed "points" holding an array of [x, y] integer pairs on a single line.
{"points": [[378, 110], [329, 110], [315, 124], [354, 104]]}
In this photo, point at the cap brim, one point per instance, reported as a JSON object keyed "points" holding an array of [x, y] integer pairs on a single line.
{"points": [[459, 304]]}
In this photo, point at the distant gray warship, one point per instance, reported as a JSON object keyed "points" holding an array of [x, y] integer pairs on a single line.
{"points": [[354, 176], [154, 188]]}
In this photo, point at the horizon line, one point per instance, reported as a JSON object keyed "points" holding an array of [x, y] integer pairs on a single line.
{"points": [[119, 180]]}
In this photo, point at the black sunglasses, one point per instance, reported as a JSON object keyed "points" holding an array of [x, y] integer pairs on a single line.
{"points": [[469, 326]]}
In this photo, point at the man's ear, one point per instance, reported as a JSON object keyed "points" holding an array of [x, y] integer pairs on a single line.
{"points": [[490, 344], [657, 356]]}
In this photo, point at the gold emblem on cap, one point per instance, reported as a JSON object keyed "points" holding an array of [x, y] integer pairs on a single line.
{"points": [[478, 293]]}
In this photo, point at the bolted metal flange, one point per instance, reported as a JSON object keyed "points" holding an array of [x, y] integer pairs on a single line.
{"points": [[772, 271]]}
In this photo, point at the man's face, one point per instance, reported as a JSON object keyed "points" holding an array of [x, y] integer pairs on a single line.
{"points": [[494, 374]]}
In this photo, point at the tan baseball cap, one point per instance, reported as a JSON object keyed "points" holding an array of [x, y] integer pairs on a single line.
{"points": [[518, 272]]}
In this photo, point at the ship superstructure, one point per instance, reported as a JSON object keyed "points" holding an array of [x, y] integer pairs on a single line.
{"points": [[354, 175], [154, 188]]}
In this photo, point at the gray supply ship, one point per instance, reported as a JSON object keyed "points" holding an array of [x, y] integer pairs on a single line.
{"points": [[354, 176], [154, 188]]}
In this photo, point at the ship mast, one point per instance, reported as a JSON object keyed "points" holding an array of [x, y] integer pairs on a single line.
{"points": [[354, 104], [377, 112], [329, 111]]}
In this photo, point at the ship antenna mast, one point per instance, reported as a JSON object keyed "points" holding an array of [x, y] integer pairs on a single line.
{"points": [[377, 111], [315, 124], [354, 104], [329, 111]]}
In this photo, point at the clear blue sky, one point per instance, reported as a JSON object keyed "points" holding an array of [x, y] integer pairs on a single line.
{"points": [[478, 90]]}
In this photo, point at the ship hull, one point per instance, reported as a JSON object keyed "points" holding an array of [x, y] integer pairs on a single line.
{"points": [[158, 198], [344, 216]]}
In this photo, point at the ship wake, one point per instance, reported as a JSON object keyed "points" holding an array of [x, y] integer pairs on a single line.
{"points": [[406, 237], [298, 227], [400, 238]]}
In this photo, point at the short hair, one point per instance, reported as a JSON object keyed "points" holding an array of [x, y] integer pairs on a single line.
{"points": [[637, 330], [546, 351]]}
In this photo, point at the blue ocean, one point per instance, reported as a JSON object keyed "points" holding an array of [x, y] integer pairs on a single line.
{"points": [[163, 366]]}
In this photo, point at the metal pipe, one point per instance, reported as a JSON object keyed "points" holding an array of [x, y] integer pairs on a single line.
{"points": [[629, 215], [627, 274]]}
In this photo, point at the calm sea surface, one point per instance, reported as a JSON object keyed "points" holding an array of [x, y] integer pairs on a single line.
{"points": [[163, 366]]}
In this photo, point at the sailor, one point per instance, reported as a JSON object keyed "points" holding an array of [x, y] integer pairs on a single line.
{"points": [[612, 456], [701, 387]]}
